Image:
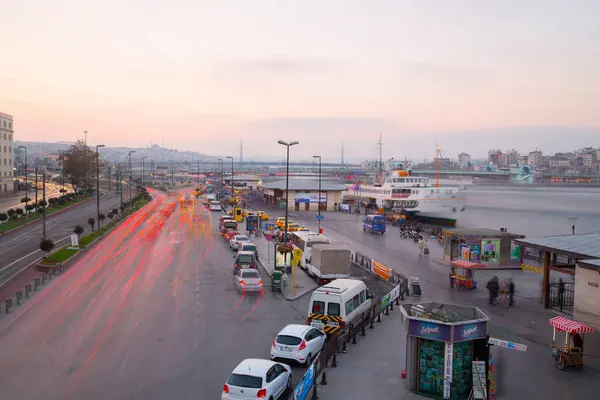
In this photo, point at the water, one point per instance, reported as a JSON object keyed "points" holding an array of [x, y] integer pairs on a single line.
{"points": [[532, 211]]}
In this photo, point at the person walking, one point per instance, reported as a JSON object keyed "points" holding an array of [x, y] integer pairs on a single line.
{"points": [[561, 293], [493, 286], [421, 247], [426, 248], [511, 292]]}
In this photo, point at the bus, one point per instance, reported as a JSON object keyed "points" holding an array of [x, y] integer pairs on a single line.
{"points": [[304, 241]]}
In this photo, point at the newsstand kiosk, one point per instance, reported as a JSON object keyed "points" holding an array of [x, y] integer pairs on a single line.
{"points": [[446, 350]]}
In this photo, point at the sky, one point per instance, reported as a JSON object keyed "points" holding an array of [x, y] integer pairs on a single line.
{"points": [[200, 75]]}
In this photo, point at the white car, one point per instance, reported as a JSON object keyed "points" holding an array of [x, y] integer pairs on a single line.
{"points": [[215, 206], [237, 240], [255, 378], [247, 280], [300, 343]]}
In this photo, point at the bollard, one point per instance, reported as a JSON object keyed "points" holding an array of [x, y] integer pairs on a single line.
{"points": [[379, 317], [36, 284], [19, 296], [344, 347], [334, 361], [43, 279], [387, 310], [391, 306], [315, 396], [8, 304], [354, 338], [362, 331], [371, 324], [324, 379], [28, 290]]}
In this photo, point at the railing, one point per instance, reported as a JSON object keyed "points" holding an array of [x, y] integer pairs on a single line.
{"points": [[395, 277], [561, 299]]}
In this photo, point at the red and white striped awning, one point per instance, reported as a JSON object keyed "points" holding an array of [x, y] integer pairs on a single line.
{"points": [[565, 324]]}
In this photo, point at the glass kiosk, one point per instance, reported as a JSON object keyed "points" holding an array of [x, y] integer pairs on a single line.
{"points": [[444, 346]]}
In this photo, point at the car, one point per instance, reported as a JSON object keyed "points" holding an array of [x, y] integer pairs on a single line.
{"points": [[256, 378], [293, 227], [228, 225], [236, 241], [301, 343], [280, 222], [215, 206], [249, 247], [225, 218], [263, 215], [302, 229], [230, 233], [247, 280], [244, 259]]}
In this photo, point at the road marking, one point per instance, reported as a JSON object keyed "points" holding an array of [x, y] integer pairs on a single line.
{"points": [[18, 237], [123, 363]]}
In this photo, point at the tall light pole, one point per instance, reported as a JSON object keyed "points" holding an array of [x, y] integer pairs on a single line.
{"points": [[287, 182], [573, 222], [98, 184], [44, 203], [143, 158], [220, 160], [319, 196], [130, 177], [232, 192], [198, 176], [26, 170], [85, 158], [171, 173]]}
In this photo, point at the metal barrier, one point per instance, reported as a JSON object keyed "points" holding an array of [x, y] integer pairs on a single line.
{"points": [[561, 299], [396, 278]]}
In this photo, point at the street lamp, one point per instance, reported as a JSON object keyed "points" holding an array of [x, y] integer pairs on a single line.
{"points": [[319, 196], [573, 222], [130, 177], [287, 182], [232, 193], [98, 184], [221, 174], [143, 158], [26, 188]]}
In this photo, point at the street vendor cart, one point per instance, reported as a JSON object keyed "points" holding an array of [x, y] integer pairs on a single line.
{"points": [[571, 354], [462, 274]]}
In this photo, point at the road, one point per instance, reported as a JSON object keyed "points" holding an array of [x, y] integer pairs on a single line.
{"points": [[52, 190], [149, 313], [22, 247]]}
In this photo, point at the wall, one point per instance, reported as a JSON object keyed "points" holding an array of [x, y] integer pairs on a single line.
{"points": [[587, 296], [332, 198]]}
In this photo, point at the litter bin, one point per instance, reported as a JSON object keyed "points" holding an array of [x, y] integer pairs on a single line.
{"points": [[276, 281], [415, 286]]}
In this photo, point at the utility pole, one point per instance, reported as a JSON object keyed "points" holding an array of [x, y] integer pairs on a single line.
{"points": [[109, 187], [198, 176], [130, 178], [232, 190], [380, 143], [26, 170], [36, 187], [44, 206], [319, 195], [143, 158], [98, 184]]}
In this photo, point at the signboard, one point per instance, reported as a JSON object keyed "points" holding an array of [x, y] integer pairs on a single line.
{"points": [[429, 330], [381, 270], [282, 260], [479, 380], [74, 240], [385, 302], [319, 216], [448, 360], [465, 252], [515, 251], [302, 390], [508, 345], [469, 331], [310, 197]]}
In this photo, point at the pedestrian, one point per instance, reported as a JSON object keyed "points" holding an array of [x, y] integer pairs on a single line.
{"points": [[421, 247], [426, 248], [493, 287], [561, 293], [511, 292]]}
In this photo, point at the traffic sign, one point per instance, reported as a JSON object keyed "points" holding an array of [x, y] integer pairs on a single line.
{"points": [[268, 237], [508, 345], [320, 216]]}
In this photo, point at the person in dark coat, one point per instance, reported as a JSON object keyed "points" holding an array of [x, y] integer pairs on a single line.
{"points": [[511, 291], [493, 286]]}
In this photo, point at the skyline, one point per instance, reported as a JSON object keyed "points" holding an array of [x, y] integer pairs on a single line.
{"points": [[471, 76]]}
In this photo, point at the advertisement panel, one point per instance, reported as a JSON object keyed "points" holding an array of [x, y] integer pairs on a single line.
{"points": [[465, 252], [490, 250], [282, 260], [470, 331], [381, 270], [311, 197], [515, 252], [429, 330], [302, 390], [448, 360]]}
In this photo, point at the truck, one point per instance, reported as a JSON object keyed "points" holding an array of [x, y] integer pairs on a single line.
{"points": [[329, 262]]}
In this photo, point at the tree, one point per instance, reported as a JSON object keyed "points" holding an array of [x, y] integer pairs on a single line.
{"points": [[78, 230], [43, 203], [25, 200], [3, 217], [29, 208], [115, 211], [46, 245], [91, 222], [101, 218], [79, 165]]}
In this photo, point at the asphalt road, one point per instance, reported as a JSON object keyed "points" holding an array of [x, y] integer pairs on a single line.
{"points": [[149, 313], [22, 247]]}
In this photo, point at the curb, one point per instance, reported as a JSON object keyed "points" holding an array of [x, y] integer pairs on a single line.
{"points": [[49, 216]]}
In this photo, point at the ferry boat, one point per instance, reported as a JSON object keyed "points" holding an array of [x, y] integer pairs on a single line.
{"points": [[401, 191]]}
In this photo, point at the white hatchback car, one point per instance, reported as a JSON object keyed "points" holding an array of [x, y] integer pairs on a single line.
{"points": [[300, 343], [255, 378]]}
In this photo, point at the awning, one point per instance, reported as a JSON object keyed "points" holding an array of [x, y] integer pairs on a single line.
{"points": [[565, 324], [466, 264]]}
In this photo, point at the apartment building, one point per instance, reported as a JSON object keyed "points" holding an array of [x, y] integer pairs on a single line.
{"points": [[6, 153]]}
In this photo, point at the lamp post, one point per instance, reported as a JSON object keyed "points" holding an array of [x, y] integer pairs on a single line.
{"points": [[98, 184], [44, 204], [287, 182], [232, 192], [220, 160], [319, 195], [171, 173], [573, 222], [143, 158], [64, 154], [26, 188], [130, 177]]}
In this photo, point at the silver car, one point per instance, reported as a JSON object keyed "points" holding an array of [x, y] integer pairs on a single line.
{"points": [[247, 280], [236, 241]]}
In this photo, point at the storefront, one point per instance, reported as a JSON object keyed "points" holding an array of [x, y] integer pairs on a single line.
{"points": [[486, 246], [303, 195], [444, 345]]}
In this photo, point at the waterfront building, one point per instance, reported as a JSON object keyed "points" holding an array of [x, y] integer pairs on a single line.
{"points": [[6, 153], [464, 160]]}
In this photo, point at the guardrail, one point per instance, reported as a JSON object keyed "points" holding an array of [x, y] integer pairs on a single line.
{"points": [[381, 271]]}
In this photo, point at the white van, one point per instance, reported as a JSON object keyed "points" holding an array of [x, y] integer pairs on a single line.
{"points": [[215, 206], [341, 300], [305, 241]]}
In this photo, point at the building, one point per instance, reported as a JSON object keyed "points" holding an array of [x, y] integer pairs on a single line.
{"points": [[303, 194], [523, 160], [6, 151], [589, 158], [535, 158], [464, 160], [495, 157], [512, 157], [559, 162]]}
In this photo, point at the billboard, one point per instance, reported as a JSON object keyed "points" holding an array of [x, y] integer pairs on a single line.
{"points": [[310, 197]]}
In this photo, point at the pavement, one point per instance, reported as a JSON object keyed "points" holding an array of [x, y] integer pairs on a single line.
{"points": [[52, 190], [150, 312], [529, 375]]}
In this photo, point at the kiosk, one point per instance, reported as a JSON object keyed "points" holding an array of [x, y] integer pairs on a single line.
{"points": [[446, 348]]}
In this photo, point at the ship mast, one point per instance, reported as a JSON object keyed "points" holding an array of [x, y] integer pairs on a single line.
{"points": [[438, 151]]}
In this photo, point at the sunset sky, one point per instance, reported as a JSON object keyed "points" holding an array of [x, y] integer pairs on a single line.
{"points": [[199, 75]]}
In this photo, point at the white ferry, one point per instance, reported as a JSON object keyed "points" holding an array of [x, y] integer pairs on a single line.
{"points": [[411, 193]]}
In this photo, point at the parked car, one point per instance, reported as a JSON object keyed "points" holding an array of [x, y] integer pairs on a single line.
{"points": [[247, 280], [249, 247], [280, 222], [228, 224], [244, 259], [255, 378], [263, 215], [301, 343], [225, 218], [230, 233], [237, 240]]}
